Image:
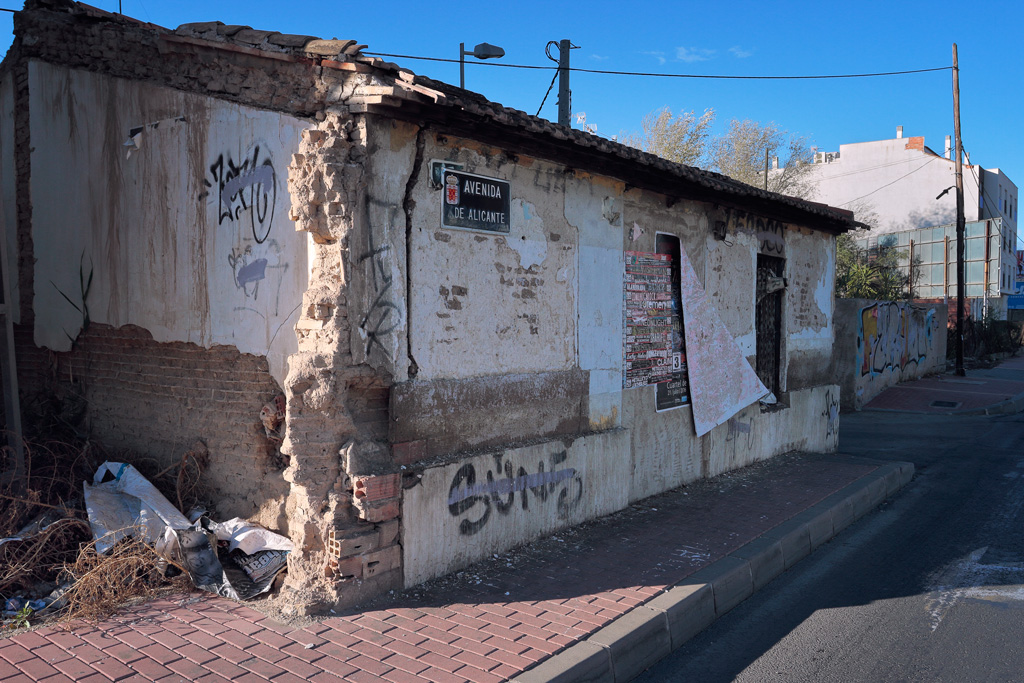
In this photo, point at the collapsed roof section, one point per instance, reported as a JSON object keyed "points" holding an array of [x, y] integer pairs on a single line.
{"points": [[395, 91]]}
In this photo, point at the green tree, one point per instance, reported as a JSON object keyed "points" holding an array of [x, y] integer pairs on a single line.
{"points": [[874, 274]]}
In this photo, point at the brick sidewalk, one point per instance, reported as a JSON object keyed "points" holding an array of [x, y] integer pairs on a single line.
{"points": [[947, 393], [487, 623]]}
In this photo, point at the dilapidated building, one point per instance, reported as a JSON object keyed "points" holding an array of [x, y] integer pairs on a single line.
{"points": [[484, 326]]}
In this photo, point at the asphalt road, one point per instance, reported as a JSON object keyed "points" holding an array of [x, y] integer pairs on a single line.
{"points": [[929, 587]]}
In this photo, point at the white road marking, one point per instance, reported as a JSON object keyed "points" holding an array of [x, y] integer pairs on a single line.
{"points": [[968, 578]]}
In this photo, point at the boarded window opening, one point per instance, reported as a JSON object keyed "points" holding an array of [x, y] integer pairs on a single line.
{"points": [[768, 321], [676, 391]]}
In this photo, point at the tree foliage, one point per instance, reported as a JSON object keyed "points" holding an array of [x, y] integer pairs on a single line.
{"points": [[740, 152], [682, 139], [874, 274]]}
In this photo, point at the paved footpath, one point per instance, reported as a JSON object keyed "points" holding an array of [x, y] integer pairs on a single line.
{"points": [[598, 602], [992, 391]]}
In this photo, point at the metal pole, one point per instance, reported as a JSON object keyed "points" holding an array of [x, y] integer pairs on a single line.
{"points": [[564, 94], [960, 221], [462, 65]]}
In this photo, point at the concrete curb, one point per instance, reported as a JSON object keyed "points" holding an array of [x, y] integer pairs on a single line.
{"points": [[638, 639], [1010, 406]]}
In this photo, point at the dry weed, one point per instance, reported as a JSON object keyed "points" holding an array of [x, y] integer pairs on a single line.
{"points": [[102, 584], [36, 560]]}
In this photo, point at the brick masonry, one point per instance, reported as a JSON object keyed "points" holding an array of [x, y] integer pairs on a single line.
{"points": [[155, 400]]}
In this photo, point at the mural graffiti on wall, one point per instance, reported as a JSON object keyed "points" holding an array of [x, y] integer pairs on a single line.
{"points": [[383, 315], [831, 413], [473, 501], [889, 339], [245, 186]]}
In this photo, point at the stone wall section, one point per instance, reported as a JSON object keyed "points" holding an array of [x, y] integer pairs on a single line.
{"points": [[345, 527]]}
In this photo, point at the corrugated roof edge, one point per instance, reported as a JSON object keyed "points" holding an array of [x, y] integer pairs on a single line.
{"points": [[216, 32]]}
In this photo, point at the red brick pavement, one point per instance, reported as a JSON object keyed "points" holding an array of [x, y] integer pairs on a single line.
{"points": [[979, 389], [486, 623]]}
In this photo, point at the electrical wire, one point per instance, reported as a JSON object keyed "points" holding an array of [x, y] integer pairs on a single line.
{"points": [[851, 201], [547, 51], [663, 75]]}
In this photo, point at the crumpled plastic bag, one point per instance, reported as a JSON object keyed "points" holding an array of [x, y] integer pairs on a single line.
{"points": [[235, 559]]}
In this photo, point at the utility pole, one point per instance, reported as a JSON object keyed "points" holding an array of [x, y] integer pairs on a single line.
{"points": [[564, 94], [960, 221]]}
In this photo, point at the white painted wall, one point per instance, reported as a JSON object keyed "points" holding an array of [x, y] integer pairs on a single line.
{"points": [[897, 182], [165, 234], [810, 300]]}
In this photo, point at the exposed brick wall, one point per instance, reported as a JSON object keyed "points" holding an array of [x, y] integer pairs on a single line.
{"points": [[156, 399]]}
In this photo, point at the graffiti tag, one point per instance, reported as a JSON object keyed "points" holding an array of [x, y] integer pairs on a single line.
{"points": [[889, 339], [246, 186], [831, 414], [474, 501], [248, 270], [383, 315], [769, 232]]}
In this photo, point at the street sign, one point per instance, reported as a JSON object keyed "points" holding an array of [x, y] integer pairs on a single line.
{"points": [[475, 202]]}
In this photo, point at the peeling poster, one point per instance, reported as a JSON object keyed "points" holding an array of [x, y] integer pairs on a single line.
{"points": [[722, 383]]}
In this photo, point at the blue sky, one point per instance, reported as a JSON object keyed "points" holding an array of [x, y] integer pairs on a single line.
{"points": [[729, 38]]}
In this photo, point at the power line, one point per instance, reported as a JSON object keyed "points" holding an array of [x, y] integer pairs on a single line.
{"points": [[893, 182], [663, 75]]}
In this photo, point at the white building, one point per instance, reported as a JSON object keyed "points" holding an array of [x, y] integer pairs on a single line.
{"points": [[901, 185]]}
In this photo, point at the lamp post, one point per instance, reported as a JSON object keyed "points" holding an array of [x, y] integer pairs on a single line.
{"points": [[481, 51]]}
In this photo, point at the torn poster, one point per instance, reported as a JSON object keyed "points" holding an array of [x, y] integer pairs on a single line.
{"points": [[722, 383]]}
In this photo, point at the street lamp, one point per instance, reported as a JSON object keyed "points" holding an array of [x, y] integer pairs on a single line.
{"points": [[481, 51]]}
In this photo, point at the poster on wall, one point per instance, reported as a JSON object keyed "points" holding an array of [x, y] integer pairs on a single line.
{"points": [[653, 347]]}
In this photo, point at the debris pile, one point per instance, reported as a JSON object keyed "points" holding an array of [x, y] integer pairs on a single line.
{"points": [[118, 539]]}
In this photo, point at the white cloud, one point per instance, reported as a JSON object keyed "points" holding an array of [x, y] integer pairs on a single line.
{"points": [[740, 53], [599, 58], [693, 54], [660, 56]]}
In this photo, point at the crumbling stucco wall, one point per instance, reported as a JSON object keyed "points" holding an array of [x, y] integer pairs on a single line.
{"points": [[180, 259], [156, 400], [188, 236], [344, 503], [518, 337], [810, 303], [494, 501]]}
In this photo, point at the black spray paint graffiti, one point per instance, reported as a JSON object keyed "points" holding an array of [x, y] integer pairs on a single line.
{"points": [[831, 413], [246, 186], [467, 497], [769, 232], [738, 427], [382, 317]]}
